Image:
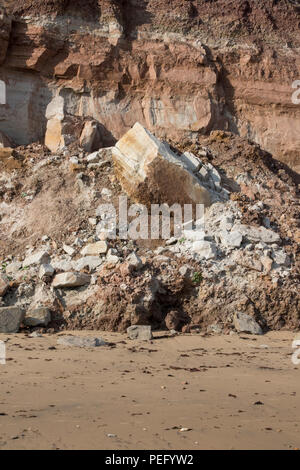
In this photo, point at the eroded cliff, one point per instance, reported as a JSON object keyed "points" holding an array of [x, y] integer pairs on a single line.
{"points": [[180, 67]]}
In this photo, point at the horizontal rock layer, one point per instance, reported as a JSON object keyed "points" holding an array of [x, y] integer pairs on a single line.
{"points": [[179, 69]]}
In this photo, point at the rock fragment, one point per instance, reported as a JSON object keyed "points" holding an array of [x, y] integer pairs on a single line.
{"points": [[38, 317], [258, 234], [245, 324], [90, 137], [205, 249], [40, 257], [46, 271], [69, 250], [134, 262], [140, 332], [231, 239], [94, 249], [10, 319], [79, 342], [90, 262], [71, 279]]}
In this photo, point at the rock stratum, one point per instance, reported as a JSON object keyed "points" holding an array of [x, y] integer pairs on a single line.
{"points": [[179, 67]]}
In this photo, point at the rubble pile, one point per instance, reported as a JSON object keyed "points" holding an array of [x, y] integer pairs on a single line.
{"points": [[237, 272]]}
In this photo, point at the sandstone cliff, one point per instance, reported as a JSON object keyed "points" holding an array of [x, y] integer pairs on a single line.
{"points": [[180, 67]]}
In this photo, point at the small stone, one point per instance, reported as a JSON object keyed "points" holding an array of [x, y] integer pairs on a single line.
{"points": [[92, 221], [215, 329], [69, 250], [106, 193], [35, 334], [46, 270], [232, 239], [190, 161], [134, 262], [40, 257], [71, 279], [93, 157], [280, 258], [90, 137], [245, 324], [215, 177], [13, 268], [62, 265], [205, 249], [258, 234], [38, 317], [90, 262], [186, 271], [78, 241], [10, 319], [171, 241], [248, 261], [203, 172], [140, 332], [94, 249], [160, 250], [112, 260], [175, 320], [78, 342]]}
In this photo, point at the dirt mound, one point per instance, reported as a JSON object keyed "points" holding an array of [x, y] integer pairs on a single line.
{"points": [[248, 260]]}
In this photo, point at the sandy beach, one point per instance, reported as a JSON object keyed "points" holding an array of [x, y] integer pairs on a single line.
{"points": [[183, 392]]}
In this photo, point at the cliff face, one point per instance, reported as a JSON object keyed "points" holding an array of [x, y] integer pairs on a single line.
{"points": [[179, 67]]}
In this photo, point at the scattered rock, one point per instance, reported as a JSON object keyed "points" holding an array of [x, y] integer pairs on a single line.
{"points": [[69, 250], [281, 258], [10, 319], [112, 260], [134, 262], [94, 249], [191, 162], [215, 329], [13, 268], [205, 249], [258, 234], [40, 257], [35, 334], [245, 324], [72, 279], [90, 262], [140, 332], [79, 342], [93, 157], [38, 317], [231, 239], [46, 271]]}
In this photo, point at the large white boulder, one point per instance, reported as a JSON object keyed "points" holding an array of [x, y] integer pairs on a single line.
{"points": [[151, 173]]}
